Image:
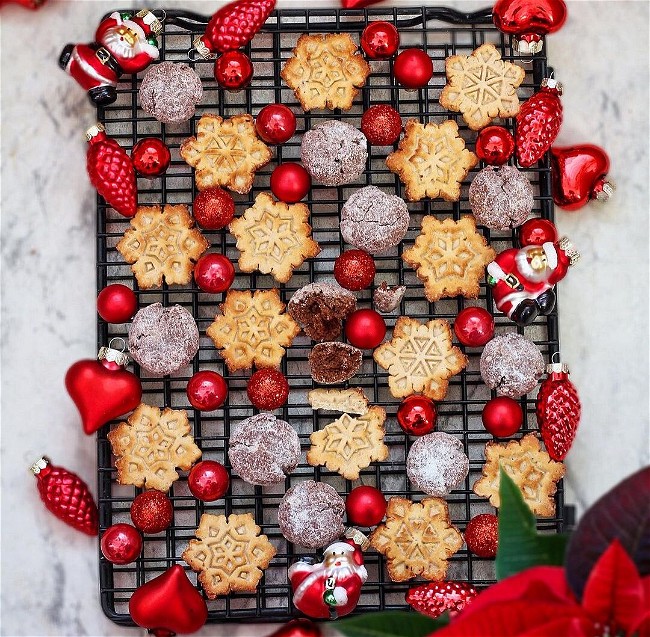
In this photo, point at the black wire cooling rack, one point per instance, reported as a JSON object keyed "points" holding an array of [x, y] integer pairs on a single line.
{"points": [[441, 32]]}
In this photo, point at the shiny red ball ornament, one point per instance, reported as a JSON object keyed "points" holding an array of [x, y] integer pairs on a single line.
{"points": [[233, 70], [354, 270], [275, 123], [268, 389], [413, 68], [152, 511], [380, 40], [417, 415], [208, 481], [474, 326], [365, 506], [121, 544], [214, 273], [290, 182], [213, 208], [495, 145], [300, 627], [502, 416], [382, 125], [207, 390], [482, 535], [435, 598], [117, 303], [365, 328], [537, 231], [151, 157], [168, 605]]}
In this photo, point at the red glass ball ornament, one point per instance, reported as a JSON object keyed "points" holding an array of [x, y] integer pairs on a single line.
{"points": [[152, 511], [233, 70], [502, 416], [151, 157], [417, 415], [213, 208], [354, 270], [536, 232], [207, 390], [214, 273], [382, 125], [290, 182], [275, 123], [365, 328], [482, 535], [495, 145], [474, 326], [268, 389], [380, 40], [121, 544], [116, 303], [365, 506], [413, 68], [208, 480]]}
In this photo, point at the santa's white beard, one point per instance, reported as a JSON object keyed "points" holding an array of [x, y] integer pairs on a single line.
{"points": [[119, 47], [534, 276]]}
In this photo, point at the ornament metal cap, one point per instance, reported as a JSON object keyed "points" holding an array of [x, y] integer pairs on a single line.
{"points": [[557, 366], [150, 20], [568, 248], [358, 538], [94, 130], [551, 82], [527, 44], [39, 465], [114, 355], [201, 48], [604, 190]]}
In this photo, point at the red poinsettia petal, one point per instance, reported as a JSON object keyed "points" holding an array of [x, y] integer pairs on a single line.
{"points": [[566, 627], [642, 628]]}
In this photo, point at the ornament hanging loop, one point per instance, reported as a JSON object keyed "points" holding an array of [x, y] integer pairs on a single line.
{"points": [[117, 338]]}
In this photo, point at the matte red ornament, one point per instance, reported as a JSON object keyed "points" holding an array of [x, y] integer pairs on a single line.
{"points": [[290, 182], [558, 411], [111, 171], [151, 157], [297, 628], [233, 70], [482, 535], [417, 415], [537, 232], [152, 511], [365, 506], [207, 390], [117, 303], [66, 495], [380, 40], [214, 273], [435, 598], [365, 328], [413, 68], [168, 605], [268, 389], [502, 416], [495, 145], [354, 270], [474, 326], [208, 480], [382, 125], [121, 544], [213, 208], [275, 123], [579, 174]]}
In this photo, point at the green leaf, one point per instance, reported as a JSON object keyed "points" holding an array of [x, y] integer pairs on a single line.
{"points": [[390, 624], [520, 545]]}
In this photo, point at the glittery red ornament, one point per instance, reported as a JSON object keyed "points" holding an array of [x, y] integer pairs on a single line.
{"points": [[213, 208], [121, 544], [413, 68], [417, 415], [207, 390], [354, 270], [275, 123], [268, 389], [495, 145], [152, 511], [474, 326], [214, 273], [365, 328], [381, 124], [208, 481], [537, 232], [365, 506], [233, 70], [116, 303], [151, 157], [502, 416], [482, 534], [434, 598], [380, 40], [290, 182]]}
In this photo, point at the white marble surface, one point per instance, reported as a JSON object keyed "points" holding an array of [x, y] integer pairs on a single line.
{"points": [[49, 575]]}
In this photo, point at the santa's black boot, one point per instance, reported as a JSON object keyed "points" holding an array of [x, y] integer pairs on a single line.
{"points": [[64, 58], [102, 95], [546, 302], [525, 313]]}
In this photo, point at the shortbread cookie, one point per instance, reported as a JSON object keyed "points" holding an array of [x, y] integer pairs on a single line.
{"points": [[151, 445], [482, 86], [225, 152], [326, 71], [346, 401], [331, 363], [431, 160], [252, 328], [530, 468], [387, 298], [162, 242], [420, 358], [450, 257], [417, 539], [230, 554], [350, 444]]}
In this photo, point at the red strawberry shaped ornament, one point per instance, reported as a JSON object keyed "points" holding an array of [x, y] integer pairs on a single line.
{"points": [[435, 598]]}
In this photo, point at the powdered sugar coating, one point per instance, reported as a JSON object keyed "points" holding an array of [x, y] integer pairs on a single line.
{"points": [[386, 298]]}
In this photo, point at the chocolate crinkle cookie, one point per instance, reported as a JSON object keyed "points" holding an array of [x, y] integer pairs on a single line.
{"points": [[320, 308], [501, 198], [334, 153], [511, 364], [373, 220], [334, 362], [311, 514], [386, 298]]}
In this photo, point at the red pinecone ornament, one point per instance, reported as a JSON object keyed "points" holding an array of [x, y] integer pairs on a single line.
{"points": [[67, 496], [111, 171], [434, 598], [558, 411], [538, 123]]}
